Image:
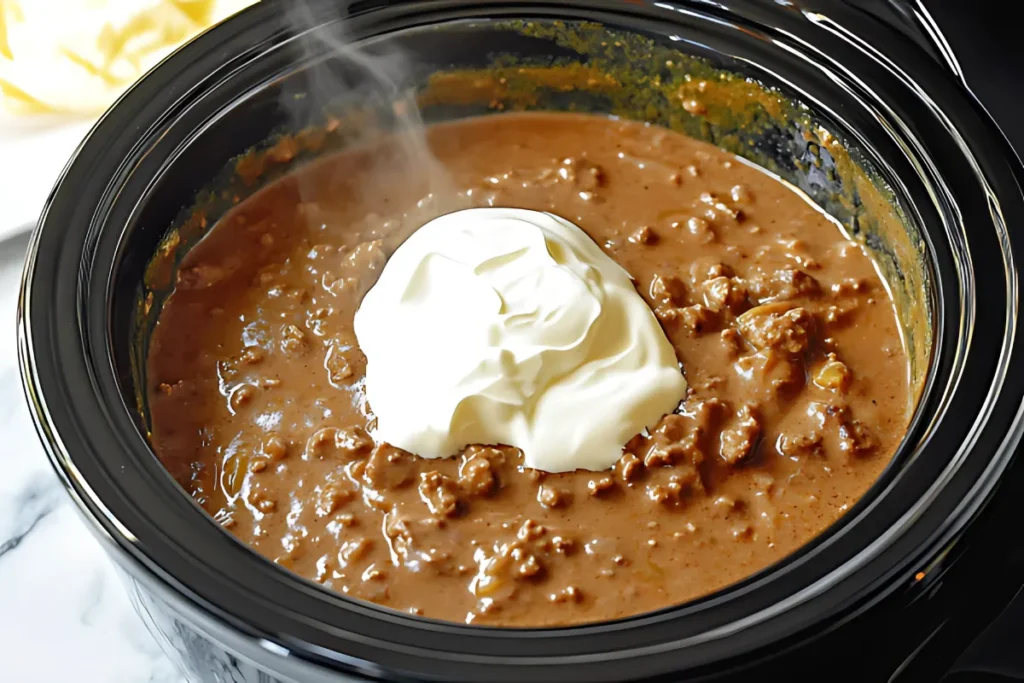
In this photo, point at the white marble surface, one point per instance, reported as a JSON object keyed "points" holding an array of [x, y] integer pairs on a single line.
{"points": [[42, 147], [63, 613]]}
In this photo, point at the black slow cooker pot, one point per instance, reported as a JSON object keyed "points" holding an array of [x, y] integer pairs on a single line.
{"points": [[857, 603]]}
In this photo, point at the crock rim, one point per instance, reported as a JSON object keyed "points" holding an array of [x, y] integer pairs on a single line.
{"points": [[973, 130]]}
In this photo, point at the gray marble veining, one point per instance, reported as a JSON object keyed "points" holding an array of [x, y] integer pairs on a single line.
{"points": [[64, 615]]}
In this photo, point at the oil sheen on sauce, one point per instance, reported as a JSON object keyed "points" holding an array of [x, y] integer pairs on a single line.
{"points": [[798, 380]]}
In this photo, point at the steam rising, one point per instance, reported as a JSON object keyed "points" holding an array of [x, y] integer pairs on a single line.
{"points": [[372, 83]]}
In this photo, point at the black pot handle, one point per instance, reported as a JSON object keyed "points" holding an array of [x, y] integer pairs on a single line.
{"points": [[995, 654]]}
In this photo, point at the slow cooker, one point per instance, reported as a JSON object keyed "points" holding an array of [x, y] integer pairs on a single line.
{"points": [[924, 178]]}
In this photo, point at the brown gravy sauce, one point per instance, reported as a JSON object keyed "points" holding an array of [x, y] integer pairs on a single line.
{"points": [[799, 380]]}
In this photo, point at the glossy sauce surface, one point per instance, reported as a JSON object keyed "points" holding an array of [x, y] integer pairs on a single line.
{"points": [[789, 341]]}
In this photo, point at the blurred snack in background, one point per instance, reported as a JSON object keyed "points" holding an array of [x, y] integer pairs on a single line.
{"points": [[62, 64], [76, 56]]}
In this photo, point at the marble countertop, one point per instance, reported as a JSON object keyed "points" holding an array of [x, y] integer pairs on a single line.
{"points": [[63, 613]]}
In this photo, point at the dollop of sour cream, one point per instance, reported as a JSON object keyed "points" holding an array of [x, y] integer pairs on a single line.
{"points": [[509, 326]]}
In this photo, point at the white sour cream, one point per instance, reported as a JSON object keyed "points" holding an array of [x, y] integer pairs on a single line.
{"points": [[509, 326]]}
